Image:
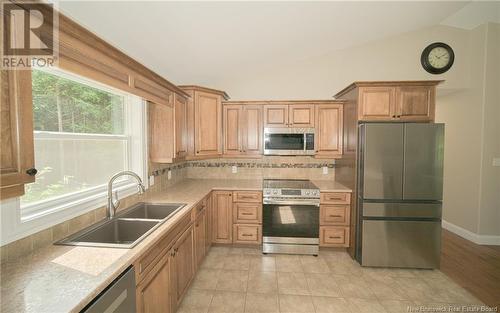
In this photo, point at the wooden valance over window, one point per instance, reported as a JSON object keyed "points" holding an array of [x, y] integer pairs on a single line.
{"points": [[85, 54]]}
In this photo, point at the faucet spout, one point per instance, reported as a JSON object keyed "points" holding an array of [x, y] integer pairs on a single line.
{"points": [[113, 204]]}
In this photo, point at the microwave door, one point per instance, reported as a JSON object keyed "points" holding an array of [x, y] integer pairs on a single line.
{"points": [[283, 143]]}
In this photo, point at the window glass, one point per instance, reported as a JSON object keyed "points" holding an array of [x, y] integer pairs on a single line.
{"points": [[80, 135]]}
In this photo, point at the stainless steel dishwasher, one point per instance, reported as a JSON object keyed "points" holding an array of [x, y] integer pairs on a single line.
{"points": [[118, 297]]}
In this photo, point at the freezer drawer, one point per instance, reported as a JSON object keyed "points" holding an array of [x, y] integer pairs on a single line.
{"points": [[408, 244], [402, 210], [423, 161]]}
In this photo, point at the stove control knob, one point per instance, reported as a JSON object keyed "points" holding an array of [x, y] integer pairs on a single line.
{"points": [[267, 192], [275, 192], [307, 192]]}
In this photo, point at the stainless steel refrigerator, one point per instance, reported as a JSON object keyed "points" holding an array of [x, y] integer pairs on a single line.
{"points": [[400, 187]]}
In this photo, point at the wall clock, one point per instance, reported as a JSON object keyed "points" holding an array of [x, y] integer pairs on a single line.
{"points": [[437, 58]]}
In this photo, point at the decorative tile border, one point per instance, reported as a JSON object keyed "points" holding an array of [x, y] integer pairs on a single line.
{"points": [[257, 165]]}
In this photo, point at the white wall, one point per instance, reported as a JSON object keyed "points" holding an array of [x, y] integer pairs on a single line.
{"points": [[467, 102]]}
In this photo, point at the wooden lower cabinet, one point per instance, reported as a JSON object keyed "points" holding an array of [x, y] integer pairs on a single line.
{"points": [[209, 221], [200, 237], [334, 219], [222, 216], [247, 233], [153, 292], [183, 267], [334, 236]]}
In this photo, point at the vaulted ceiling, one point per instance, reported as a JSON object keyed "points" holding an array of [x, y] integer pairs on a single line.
{"points": [[203, 42]]}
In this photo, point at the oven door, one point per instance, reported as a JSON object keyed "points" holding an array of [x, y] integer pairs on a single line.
{"points": [[289, 221]]}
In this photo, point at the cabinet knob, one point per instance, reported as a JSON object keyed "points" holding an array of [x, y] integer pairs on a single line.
{"points": [[32, 171]]}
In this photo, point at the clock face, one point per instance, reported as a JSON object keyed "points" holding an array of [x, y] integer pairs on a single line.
{"points": [[439, 57]]}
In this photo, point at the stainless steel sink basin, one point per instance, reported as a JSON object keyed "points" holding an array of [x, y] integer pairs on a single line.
{"points": [[150, 211], [126, 229]]}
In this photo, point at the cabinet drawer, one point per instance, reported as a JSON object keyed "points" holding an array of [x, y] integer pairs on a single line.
{"points": [[335, 197], [334, 215], [249, 213], [334, 236], [247, 196], [247, 233], [149, 259]]}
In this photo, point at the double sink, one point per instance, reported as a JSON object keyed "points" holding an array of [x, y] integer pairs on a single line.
{"points": [[126, 229]]}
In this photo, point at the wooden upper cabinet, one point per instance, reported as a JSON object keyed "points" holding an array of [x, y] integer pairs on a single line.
{"points": [[415, 103], [301, 115], [242, 129], [208, 123], [329, 130], [252, 129], [204, 121], [376, 103], [17, 165], [233, 128], [289, 115], [162, 133], [222, 211], [181, 134], [398, 101], [276, 115]]}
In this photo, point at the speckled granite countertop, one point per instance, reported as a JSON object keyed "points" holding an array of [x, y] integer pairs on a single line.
{"points": [[65, 278]]}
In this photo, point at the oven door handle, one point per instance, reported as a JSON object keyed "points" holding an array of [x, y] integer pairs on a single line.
{"points": [[291, 202]]}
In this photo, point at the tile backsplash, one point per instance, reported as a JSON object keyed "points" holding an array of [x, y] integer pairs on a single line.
{"points": [[265, 167]]}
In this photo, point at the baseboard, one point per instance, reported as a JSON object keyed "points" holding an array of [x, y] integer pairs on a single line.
{"points": [[467, 234]]}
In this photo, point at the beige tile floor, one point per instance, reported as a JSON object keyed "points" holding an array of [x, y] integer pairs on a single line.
{"points": [[233, 279]]}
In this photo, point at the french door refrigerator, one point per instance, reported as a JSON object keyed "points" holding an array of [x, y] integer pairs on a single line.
{"points": [[400, 187]]}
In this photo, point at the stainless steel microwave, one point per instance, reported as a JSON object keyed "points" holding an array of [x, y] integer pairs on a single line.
{"points": [[288, 141]]}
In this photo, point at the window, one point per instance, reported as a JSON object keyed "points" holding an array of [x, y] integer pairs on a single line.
{"points": [[84, 133]]}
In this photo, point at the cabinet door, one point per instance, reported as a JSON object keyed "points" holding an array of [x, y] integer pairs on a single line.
{"points": [[17, 156], [200, 237], [153, 293], [180, 108], [252, 129], [209, 221], [222, 216], [301, 115], [377, 103], [329, 130], [161, 121], [233, 127], [415, 103], [276, 115], [182, 265], [208, 124]]}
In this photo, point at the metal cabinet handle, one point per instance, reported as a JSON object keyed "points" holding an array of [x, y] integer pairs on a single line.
{"points": [[32, 171], [246, 213], [334, 215], [246, 235], [334, 237]]}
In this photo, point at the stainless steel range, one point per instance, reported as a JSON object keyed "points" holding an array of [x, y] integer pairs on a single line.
{"points": [[290, 218]]}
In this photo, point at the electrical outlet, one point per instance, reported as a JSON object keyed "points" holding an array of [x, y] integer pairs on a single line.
{"points": [[234, 169], [169, 174], [325, 170], [151, 180], [496, 161]]}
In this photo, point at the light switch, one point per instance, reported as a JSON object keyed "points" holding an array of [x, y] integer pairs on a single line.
{"points": [[169, 174], [325, 170], [151, 180], [496, 161], [234, 169]]}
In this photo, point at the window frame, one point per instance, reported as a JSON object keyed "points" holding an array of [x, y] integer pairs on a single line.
{"points": [[19, 221]]}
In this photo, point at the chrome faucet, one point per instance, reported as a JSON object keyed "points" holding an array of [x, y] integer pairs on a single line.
{"points": [[113, 204]]}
